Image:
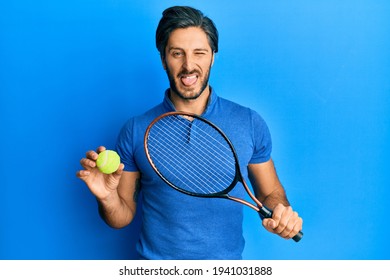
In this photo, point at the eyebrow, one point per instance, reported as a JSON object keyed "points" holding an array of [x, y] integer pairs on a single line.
{"points": [[181, 49]]}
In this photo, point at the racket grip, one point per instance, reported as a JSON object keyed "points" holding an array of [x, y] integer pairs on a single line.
{"points": [[265, 213]]}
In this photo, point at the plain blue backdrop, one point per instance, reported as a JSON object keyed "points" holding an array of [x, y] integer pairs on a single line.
{"points": [[72, 72]]}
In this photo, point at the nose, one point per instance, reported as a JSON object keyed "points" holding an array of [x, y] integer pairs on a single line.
{"points": [[188, 63]]}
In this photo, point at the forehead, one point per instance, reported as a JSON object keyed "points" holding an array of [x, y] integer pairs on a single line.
{"points": [[188, 38]]}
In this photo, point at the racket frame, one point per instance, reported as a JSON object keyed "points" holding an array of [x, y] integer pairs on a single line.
{"points": [[263, 211], [221, 194]]}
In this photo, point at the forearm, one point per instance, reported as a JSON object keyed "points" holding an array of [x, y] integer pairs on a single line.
{"points": [[115, 212], [283, 220], [277, 196], [266, 184]]}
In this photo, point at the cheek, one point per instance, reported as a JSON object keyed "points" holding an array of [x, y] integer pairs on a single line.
{"points": [[207, 64], [170, 64], [173, 68]]}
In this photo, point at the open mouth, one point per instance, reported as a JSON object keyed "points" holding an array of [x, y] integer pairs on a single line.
{"points": [[189, 80]]}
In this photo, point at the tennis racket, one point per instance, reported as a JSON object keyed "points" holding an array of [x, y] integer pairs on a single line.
{"points": [[194, 156]]}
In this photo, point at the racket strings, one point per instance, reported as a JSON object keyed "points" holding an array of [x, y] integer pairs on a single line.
{"points": [[171, 169], [191, 155], [173, 141], [208, 136], [187, 167]]}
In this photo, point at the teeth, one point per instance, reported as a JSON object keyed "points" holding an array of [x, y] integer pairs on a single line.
{"points": [[189, 77]]}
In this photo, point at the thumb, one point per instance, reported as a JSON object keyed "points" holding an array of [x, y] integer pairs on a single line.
{"points": [[112, 180], [269, 224], [118, 173], [120, 169]]}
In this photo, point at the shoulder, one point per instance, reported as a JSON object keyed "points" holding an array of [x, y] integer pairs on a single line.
{"points": [[143, 120], [233, 110]]}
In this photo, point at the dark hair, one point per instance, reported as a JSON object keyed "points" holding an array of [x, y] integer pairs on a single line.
{"points": [[184, 17]]}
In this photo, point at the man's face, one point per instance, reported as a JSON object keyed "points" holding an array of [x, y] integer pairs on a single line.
{"points": [[188, 60]]}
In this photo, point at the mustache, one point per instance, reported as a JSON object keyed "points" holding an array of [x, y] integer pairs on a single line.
{"points": [[188, 73]]}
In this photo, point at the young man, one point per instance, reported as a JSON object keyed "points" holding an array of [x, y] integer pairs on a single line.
{"points": [[177, 226]]}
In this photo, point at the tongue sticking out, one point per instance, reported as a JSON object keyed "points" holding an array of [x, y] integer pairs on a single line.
{"points": [[189, 80]]}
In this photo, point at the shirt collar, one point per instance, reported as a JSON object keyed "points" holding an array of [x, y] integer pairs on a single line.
{"points": [[169, 107]]}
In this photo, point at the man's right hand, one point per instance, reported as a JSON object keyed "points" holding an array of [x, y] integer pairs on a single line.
{"points": [[100, 184]]}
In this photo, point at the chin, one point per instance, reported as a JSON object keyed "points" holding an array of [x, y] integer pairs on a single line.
{"points": [[186, 93]]}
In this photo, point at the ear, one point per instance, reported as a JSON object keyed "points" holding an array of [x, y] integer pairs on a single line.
{"points": [[212, 59]]}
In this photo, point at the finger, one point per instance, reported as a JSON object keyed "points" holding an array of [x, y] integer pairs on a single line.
{"points": [[277, 215], [87, 163], [100, 149], [120, 168], [269, 224], [82, 174], [293, 226], [285, 214], [297, 227], [92, 155], [288, 230], [119, 171]]}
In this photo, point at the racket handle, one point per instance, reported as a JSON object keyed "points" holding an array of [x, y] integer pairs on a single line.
{"points": [[265, 213]]}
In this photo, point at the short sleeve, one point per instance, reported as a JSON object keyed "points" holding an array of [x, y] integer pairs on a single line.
{"points": [[125, 147], [261, 139]]}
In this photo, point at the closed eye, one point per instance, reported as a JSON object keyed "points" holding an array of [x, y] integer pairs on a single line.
{"points": [[201, 51]]}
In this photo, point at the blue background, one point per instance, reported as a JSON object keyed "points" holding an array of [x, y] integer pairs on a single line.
{"points": [[72, 72]]}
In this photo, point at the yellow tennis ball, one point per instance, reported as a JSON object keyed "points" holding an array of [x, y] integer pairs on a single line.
{"points": [[108, 161]]}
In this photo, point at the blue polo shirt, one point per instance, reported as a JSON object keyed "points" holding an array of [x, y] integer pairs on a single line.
{"points": [[178, 226]]}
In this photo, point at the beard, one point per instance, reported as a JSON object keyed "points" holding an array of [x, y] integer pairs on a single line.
{"points": [[188, 94]]}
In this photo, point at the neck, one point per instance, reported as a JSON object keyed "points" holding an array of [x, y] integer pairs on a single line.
{"points": [[195, 106]]}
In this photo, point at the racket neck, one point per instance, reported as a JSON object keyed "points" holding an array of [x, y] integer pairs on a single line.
{"points": [[245, 203], [251, 195]]}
